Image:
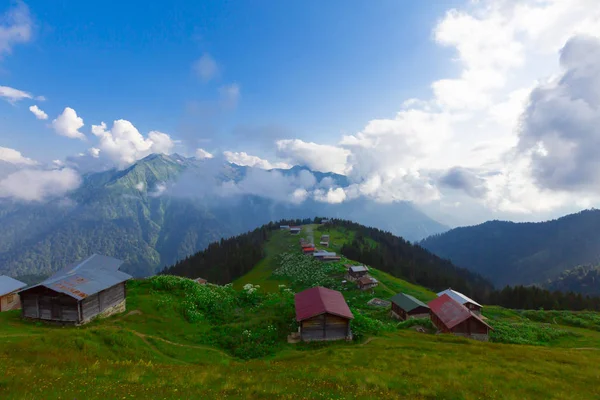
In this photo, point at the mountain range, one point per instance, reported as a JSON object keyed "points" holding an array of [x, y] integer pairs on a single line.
{"points": [[165, 207], [511, 253]]}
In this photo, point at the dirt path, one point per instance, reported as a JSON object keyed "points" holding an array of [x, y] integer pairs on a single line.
{"points": [[585, 348], [191, 346], [155, 350], [369, 340]]}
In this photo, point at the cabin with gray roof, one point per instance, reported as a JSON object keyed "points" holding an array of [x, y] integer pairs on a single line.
{"points": [[356, 272], [9, 299], [78, 293], [471, 304], [405, 306]]}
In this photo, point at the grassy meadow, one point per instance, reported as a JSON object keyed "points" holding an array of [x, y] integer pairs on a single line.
{"points": [[180, 340]]}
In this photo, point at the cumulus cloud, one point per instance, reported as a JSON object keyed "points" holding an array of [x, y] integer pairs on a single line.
{"points": [[202, 154], [318, 157], [14, 157], [140, 186], [466, 180], [39, 114], [206, 67], [68, 124], [561, 124], [331, 196], [15, 27], [39, 185], [94, 152], [123, 144], [245, 159]]}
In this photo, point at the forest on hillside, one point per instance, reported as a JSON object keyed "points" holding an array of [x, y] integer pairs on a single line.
{"points": [[581, 279], [511, 253]]}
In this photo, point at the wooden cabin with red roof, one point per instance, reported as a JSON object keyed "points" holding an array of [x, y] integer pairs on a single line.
{"points": [[323, 314], [449, 316], [308, 250]]}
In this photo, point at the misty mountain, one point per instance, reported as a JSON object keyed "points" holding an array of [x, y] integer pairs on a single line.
{"points": [[163, 208], [511, 253], [581, 279]]}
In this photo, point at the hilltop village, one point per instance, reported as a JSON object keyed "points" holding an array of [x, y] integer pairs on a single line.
{"points": [[96, 288]]}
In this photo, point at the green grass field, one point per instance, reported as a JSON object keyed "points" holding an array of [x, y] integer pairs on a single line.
{"points": [[179, 340]]}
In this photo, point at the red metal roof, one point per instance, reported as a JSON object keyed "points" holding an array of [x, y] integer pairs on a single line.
{"points": [[451, 312], [320, 300]]}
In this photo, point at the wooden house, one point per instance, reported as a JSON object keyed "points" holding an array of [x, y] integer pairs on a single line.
{"points": [[449, 316], [294, 230], [330, 258], [324, 244], [306, 244], [356, 271], [79, 292], [9, 299], [471, 304], [284, 227], [404, 307], [319, 255], [308, 250], [366, 282], [201, 281], [322, 314], [324, 238]]}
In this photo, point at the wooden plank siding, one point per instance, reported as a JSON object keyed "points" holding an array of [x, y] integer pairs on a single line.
{"points": [[324, 327], [44, 303], [9, 302]]}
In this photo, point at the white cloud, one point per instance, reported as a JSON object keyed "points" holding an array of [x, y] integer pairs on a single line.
{"points": [[245, 159], [318, 157], [202, 154], [331, 196], [39, 185], [140, 186], [206, 67], [13, 95], [15, 27], [14, 157], [68, 124], [159, 190], [39, 114], [94, 152], [123, 144], [230, 95]]}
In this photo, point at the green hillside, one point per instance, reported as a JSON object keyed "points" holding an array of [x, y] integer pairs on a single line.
{"points": [[183, 340]]}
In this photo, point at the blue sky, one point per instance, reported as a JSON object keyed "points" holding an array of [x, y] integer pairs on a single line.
{"points": [[462, 107], [311, 69]]}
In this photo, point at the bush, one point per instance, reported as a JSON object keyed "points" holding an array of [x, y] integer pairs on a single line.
{"points": [[525, 333], [409, 323]]}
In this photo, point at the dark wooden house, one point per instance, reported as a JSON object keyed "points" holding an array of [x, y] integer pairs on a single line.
{"points": [[294, 230], [356, 271], [9, 299], [404, 307], [76, 294], [201, 281], [366, 282], [464, 300], [322, 315], [449, 316]]}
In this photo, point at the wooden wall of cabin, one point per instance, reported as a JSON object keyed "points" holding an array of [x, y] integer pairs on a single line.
{"points": [[95, 304], [9, 302], [47, 304], [419, 312], [324, 327], [399, 311], [471, 326]]}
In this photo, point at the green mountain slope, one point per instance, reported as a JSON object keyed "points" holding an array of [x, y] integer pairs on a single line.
{"points": [[522, 253], [582, 279], [179, 339], [128, 214]]}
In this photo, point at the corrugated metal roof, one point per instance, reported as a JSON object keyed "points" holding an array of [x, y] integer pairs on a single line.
{"points": [[85, 278], [9, 285], [451, 312], [358, 268], [367, 280], [407, 302], [322, 253], [320, 300], [461, 298]]}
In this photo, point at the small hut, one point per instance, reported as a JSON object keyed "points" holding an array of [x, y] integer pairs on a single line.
{"points": [[308, 250], [449, 316], [79, 292], [322, 314], [404, 307], [356, 271], [294, 230], [9, 299], [201, 281], [471, 304], [366, 282], [319, 255]]}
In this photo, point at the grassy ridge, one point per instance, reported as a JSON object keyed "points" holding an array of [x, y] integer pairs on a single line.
{"points": [[181, 340]]}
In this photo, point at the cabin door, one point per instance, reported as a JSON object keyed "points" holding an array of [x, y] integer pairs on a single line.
{"points": [[56, 309]]}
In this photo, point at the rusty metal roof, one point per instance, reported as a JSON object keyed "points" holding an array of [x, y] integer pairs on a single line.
{"points": [[367, 280], [85, 278], [9, 285], [319, 300], [451, 312]]}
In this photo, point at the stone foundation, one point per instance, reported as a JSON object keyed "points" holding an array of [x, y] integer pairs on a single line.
{"points": [[116, 309]]}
